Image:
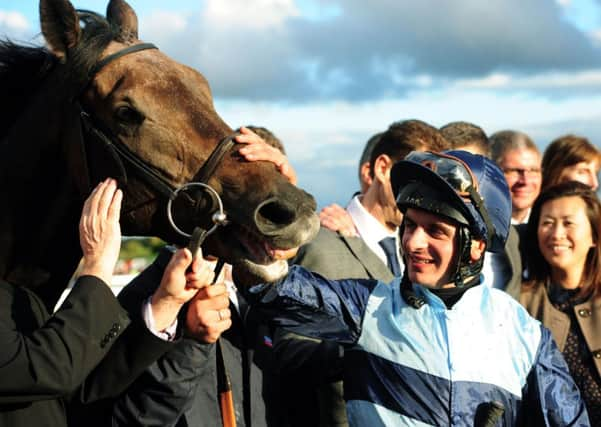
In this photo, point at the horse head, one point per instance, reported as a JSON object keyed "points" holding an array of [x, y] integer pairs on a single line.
{"points": [[161, 112]]}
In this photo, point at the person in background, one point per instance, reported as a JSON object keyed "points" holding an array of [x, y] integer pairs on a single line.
{"points": [[564, 292], [89, 340], [310, 370], [466, 136], [434, 347], [571, 158], [365, 176], [503, 269], [520, 160]]}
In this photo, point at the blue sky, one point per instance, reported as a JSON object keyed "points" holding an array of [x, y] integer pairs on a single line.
{"points": [[325, 75]]}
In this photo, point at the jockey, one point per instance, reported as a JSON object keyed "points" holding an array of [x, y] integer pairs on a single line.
{"points": [[434, 347]]}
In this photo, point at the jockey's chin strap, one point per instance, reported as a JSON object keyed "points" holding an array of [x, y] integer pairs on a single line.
{"points": [[122, 155]]}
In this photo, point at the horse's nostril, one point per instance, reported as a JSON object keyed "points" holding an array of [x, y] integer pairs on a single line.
{"points": [[275, 213]]}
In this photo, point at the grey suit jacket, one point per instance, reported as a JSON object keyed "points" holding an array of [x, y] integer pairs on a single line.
{"points": [[337, 257]]}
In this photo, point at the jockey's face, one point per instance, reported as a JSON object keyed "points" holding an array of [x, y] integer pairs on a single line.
{"points": [[430, 248]]}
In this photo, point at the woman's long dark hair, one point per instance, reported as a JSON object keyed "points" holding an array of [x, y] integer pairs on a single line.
{"points": [[539, 269]]}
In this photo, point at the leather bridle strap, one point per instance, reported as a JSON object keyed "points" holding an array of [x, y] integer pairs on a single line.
{"points": [[152, 177], [125, 51], [207, 170]]}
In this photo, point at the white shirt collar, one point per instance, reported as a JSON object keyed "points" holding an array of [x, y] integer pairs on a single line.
{"points": [[369, 228], [524, 221]]}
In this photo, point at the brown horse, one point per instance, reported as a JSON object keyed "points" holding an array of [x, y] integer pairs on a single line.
{"points": [[92, 105]]}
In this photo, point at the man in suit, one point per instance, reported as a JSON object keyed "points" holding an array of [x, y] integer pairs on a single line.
{"points": [[503, 269], [371, 252], [44, 358]]}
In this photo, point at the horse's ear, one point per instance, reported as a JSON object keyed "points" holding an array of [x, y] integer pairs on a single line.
{"points": [[123, 17], [60, 26]]}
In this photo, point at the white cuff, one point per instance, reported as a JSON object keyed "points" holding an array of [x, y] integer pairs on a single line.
{"points": [[166, 334]]}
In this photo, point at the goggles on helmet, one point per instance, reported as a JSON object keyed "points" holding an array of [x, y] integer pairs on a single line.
{"points": [[453, 170], [460, 178]]}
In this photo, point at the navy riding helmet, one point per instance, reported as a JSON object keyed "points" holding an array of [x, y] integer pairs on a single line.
{"points": [[468, 188]]}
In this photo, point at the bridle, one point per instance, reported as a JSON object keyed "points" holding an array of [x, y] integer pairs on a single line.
{"points": [[122, 154]]}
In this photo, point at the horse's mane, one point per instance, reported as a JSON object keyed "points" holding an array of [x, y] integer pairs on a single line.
{"points": [[23, 69]]}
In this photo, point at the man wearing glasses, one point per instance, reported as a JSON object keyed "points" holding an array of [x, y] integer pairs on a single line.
{"points": [[520, 160], [434, 347]]}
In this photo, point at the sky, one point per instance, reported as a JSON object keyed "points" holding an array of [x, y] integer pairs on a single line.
{"points": [[325, 75]]}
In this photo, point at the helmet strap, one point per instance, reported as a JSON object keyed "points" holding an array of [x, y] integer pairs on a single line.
{"points": [[408, 293], [481, 208], [465, 267]]}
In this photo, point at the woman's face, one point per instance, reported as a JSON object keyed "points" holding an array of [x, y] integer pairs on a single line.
{"points": [[585, 172], [565, 236]]}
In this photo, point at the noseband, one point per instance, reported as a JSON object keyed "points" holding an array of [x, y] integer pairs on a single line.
{"points": [[122, 154]]}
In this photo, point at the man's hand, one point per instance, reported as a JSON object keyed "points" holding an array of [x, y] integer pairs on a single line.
{"points": [[256, 149], [208, 313], [336, 218], [178, 286], [99, 231]]}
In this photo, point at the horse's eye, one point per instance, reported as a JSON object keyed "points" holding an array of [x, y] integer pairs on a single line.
{"points": [[126, 115]]}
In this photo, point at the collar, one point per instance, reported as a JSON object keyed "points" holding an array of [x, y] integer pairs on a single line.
{"points": [[524, 221], [436, 300], [369, 228]]}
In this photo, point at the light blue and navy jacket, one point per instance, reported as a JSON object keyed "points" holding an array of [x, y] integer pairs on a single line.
{"points": [[432, 365]]}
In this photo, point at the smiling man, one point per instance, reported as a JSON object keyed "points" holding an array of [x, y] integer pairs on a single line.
{"points": [[519, 158], [434, 347]]}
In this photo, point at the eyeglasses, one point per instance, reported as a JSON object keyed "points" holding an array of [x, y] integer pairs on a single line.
{"points": [[453, 170], [517, 172]]}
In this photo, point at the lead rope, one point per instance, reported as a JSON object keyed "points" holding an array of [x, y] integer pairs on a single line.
{"points": [[224, 384]]}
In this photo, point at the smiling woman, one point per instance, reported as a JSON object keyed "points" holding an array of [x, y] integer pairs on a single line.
{"points": [[564, 294]]}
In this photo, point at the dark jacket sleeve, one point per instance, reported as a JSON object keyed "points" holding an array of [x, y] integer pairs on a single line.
{"points": [[44, 356], [314, 361], [551, 398], [135, 350], [164, 390], [309, 304]]}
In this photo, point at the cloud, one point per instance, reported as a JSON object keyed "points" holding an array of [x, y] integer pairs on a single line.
{"points": [[588, 81], [162, 25], [595, 36], [13, 24], [268, 50], [244, 14], [292, 51]]}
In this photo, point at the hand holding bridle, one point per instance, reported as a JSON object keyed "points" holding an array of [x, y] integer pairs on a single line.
{"points": [[208, 313], [181, 281]]}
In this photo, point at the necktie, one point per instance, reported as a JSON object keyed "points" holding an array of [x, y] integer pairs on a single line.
{"points": [[389, 246]]}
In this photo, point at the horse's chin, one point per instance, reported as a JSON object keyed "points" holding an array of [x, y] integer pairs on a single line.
{"points": [[246, 273]]}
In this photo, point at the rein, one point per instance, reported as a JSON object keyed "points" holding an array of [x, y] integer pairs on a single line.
{"points": [[121, 153]]}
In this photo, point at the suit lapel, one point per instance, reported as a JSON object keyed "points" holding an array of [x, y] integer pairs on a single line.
{"points": [[515, 263], [370, 261]]}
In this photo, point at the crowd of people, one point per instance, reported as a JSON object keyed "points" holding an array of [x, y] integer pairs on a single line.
{"points": [[461, 285]]}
